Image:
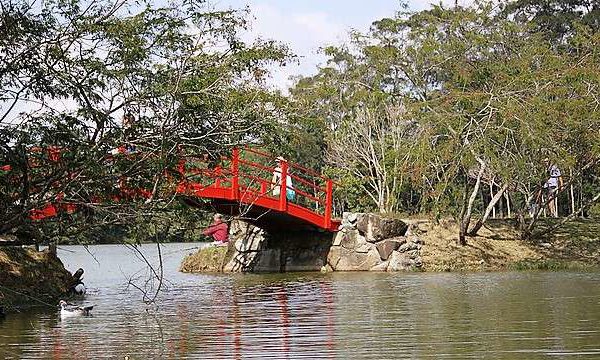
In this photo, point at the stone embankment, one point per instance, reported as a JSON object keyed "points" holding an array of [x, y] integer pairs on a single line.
{"points": [[365, 242], [371, 242]]}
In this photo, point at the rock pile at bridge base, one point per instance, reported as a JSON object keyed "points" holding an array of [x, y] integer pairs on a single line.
{"points": [[365, 242], [373, 242]]}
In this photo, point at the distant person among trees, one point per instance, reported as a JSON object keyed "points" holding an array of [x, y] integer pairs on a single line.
{"points": [[127, 124], [5, 169], [552, 186], [218, 230], [127, 121], [276, 180]]}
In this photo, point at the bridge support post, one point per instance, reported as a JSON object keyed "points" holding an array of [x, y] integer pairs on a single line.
{"points": [[235, 172], [328, 203]]}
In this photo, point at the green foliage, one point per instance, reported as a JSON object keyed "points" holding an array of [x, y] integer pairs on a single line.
{"points": [[180, 69], [477, 88], [557, 19]]}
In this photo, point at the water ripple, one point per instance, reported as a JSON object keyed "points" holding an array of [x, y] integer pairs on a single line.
{"points": [[309, 316]]}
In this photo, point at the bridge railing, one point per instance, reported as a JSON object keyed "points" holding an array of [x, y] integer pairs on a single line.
{"points": [[246, 174], [310, 189], [249, 175]]}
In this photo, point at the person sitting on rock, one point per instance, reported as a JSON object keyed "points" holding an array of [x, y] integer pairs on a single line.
{"points": [[218, 230]]}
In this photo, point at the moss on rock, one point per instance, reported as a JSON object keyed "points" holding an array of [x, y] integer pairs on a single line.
{"points": [[208, 259]]}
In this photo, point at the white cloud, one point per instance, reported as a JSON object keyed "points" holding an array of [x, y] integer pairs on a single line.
{"points": [[304, 33]]}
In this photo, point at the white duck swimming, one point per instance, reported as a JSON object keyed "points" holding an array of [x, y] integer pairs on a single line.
{"points": [[68, 310]]}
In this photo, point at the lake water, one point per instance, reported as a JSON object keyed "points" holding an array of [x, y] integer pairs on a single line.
{"points": [[510, 315]]}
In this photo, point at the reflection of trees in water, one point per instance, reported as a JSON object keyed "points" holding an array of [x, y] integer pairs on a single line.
{"points": [[266, 320], [296, 315], [221, 320], [328, 300], [178, 345], [17, 332], [420, 315], [282, 299]]}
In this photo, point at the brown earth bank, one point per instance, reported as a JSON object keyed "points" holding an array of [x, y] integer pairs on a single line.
{"points": [[30, 278], [574, 246]]}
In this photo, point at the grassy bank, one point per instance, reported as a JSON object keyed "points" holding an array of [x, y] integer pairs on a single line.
{"points": [[208, 259], [576, 246], [30, 278]]}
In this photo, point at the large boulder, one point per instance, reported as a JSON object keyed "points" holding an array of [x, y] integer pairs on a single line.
{"points": [[350, 260], [400, 262], [380, 267], [375, 227], [364, 247], [337, 238], [246, 237], [334, 256], [349, 240], [348, 221], [246, 250], [386, 247]]}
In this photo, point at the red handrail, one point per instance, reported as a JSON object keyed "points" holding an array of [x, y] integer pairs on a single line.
{"points": [[230, 181], [294, 165], [246, 169]]}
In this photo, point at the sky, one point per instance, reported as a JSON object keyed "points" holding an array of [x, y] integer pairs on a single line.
{"points": [[305, 26], [308, 25]]}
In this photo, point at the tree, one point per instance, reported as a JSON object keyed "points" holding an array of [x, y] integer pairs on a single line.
{"points": [[487, 97], [366, 123], [503, 94], [69, 72], [557, 19]]}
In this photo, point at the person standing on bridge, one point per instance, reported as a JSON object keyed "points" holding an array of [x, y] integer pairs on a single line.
{"points": [[276, 181], [218, 230]]}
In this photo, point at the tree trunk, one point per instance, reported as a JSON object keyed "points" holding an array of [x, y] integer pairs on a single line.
{"points": [[492, 196], [488, 210], [572, 192], [463, 209], [465, 216], [501, 207], [507, 197]]}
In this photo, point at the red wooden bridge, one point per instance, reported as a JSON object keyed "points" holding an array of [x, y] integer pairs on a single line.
{"points": [[242, 184]]}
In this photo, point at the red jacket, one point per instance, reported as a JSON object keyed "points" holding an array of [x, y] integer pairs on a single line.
{"points": [[219, 232]]}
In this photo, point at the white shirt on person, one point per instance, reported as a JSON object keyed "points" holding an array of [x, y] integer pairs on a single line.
{"points": [[277, 177], [554, 172]]}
